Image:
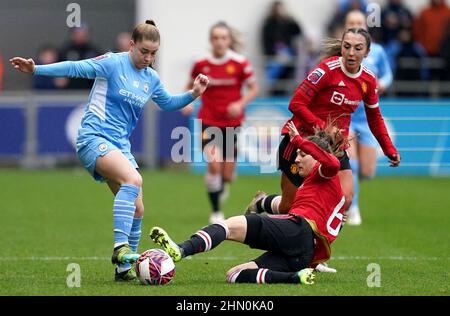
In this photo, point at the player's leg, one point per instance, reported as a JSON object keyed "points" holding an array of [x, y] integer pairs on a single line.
{"points": [[229, 161], [368, 161], [124, 271], [115, 167], [346, 180], [271, 269], [205, 239], [353, 211], [214, 187]]}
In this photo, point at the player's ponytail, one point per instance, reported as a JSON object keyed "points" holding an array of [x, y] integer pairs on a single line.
{"points": [[146, 31], [236, 39], [331, 47], [331, 139]]}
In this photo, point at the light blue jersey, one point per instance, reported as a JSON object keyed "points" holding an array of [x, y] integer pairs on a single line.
{"points": [[378, 63], [116, 101]]}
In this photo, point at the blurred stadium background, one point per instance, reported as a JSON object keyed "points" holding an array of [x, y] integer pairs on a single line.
{"points": [[47, 199]]}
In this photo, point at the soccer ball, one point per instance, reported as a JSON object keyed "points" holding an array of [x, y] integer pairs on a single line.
{"points": [[155, 267]]}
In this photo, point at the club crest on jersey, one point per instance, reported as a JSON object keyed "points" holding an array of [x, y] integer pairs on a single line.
{"points": [[146, 87], [230, 69], [294, 168], [364, 87], [102, 57], [103, 147], [205, 69], [315, 76]]}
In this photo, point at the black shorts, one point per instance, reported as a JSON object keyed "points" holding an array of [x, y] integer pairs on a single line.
{"points": [[287, 154], [227, 145], [289, 241]]}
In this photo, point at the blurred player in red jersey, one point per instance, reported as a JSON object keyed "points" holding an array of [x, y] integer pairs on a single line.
{"points": [[332, 91], [293, 241], [223, 106]]}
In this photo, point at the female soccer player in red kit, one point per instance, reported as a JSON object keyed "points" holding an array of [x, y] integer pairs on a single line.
{"points": [[332, 91], [223, 106], [293, 241]]}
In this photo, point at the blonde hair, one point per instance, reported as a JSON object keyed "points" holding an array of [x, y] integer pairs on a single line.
{"points": [[146, 31], [333, 46], [236, 38], [330, 139]]}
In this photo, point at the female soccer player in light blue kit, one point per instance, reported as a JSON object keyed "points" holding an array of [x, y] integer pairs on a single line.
{"points": [[363, 146], [124, 82]]}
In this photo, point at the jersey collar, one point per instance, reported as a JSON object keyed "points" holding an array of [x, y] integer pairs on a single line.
{"points": [[219, 61], [347, 73]]}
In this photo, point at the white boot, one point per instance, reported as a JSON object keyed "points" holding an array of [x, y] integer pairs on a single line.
{"points": [[354, 216]]}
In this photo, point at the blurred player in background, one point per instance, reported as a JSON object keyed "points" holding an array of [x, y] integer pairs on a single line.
{"points": [[332, 91], [124, 82], [223, 105], [293, 241], [363, 145]]}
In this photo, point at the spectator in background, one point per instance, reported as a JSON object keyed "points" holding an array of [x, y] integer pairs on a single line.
{"points": [[1, 72], [444, 52], [429, 28], [336, 26], [123, 42], [279, 34], [394, 17], [79, 47], [47, 54], [408, 59], [430, 24]]}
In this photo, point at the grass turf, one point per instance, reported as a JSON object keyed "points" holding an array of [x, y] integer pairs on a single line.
{"points": [[55, 217]]}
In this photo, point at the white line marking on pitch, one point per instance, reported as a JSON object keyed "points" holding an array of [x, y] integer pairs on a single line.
{"points": [[225, 258]]}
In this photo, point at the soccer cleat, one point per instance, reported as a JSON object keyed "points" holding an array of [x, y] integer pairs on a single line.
{"points": [[216, 217], [354, 216], [124, 254], [323, 267], [125, 276], [251, 208], [306, 276], [161, 238]]}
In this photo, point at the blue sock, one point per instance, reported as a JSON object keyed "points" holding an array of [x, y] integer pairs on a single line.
{"points": [[354, 163], [123, 212], [135, 233], [133, 240]]}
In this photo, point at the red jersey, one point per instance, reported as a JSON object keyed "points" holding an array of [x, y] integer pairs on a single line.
{"points": [[226, 76], [331, 92], [320, 199]]}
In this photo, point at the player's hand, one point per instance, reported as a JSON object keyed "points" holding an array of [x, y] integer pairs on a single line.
{"points": [[292, 130], [235, 109], [394, 160], [187, 110], [199, 86], [24, 65]]}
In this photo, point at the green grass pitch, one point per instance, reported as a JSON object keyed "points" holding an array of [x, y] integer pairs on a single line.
{"points": [[52, 218]]}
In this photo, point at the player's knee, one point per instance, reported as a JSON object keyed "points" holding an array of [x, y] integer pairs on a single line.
{"points": [[367, 173], [134, 179]]}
